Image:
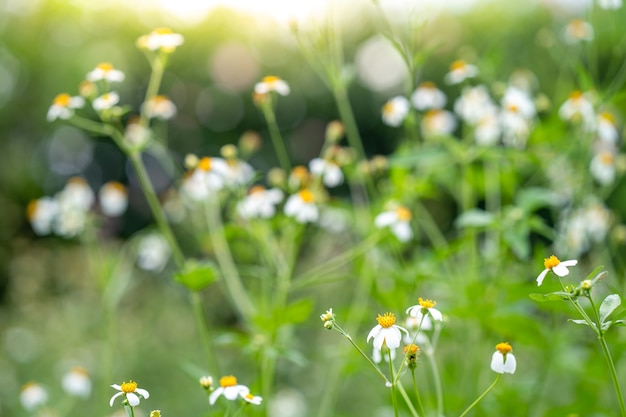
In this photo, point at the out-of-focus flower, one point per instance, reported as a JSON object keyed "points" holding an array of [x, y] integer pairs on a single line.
{"points": [[130, 392], [206, 382], [41, 214], [437, 123], [113, 198], [395, 111], [518, 101], [460, 71], [252, 399], [329, 171], [474, 104], [105, 71], [159, 107], [33, 396], [578, 107], [206, 178], [76, 194], [597, 221], [63, 107], [602, 167], [237, 172], [328, 318], [272, 83], [610, 4], [428, 96], [153, 252], [229, 389], [161, 39], [260, 203], [298, 177], [302, 207], [398, 220], [556, 266], [502, 360], [334, 131], [76, 382], [386, 332], [106, 101], [136, 136], [487, 130], [577, 31], [425, 307], [607, 128]]}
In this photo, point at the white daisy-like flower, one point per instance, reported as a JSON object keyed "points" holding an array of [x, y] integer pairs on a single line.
{"points": [[610, 4], [395, 111], [272, 83], [488, 129], [113, 198], [76, 382], [302, 207], [556, 266], [597, 221], [474, 104], [329, 171], [437, 123], [577, 31], [159, 107], [42, 214], [161, 39], [515, 128], [136, 136], [460, 71], [130, 392], [503, 360], [206, 178], [63, 107], [153, 252], [260, 203], [425, 307], [105, 71], [607, 128], [428, 96], [578, 107], [106, 101], [33, 396], [253, 399], [237, 172], [602, 167], [398, 220], [77, 194], [386, 332], [229, 389], [518, 101]]}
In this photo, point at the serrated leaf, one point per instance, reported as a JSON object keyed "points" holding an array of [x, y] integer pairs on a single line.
{"points": [[197, 275], [553, 296], [610, 303], [474, 218]]}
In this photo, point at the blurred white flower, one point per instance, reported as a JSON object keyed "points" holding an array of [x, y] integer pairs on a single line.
{"points": [[602, 167], [597, 221], [474, 104], [487, 129], [33, 396], [428, 96], [578, 107], [252, 399], [42, 214], [161, 39], [106, 101], [229, 389], [260, 203], [460, 71], [425, 307], [113, 198], [130, 392], [76, 194], [272, 83], [63, 107], [136, 136], [208, 177], [386, 332], [502, 360], [607, 128], [398, 220], [159, 107], [577, 30], [395, 111], [330, 172], [302, 206], [556, 266], [76, 382], [437, 123], [518, 101], [237, 172], [105, 71], [153, 252]]}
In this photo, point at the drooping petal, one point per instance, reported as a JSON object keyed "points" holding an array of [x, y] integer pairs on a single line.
{"points": [[385, 219], [413, 311], [133, 399], [403, 231], [373, 332], [510, 364], [497, 362], [542, 276], [142, 392], [435, 314], [117, 387], [380, 338], [561, 270], [215, 395], [393, 337], [114, 397]]}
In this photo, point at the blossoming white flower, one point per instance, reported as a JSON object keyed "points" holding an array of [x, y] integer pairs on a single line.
{"points": [[488, 129], [330, 172], [610, 4], [602, 167], [272, 83], [229, 389], [206, 178], [577, 31], [425, 307], [474, 104], [502, 360], [105, 71], [438, 122], [42, 214], [113, 198], [556, 266], [106, 101], [136, 136], [130, 392], [237, 172], [161, 39], [398, 220], [515, 128], [395, 111], [607, 128], [77, 382], [460, 71], [518, 101], [206, 382], [33, 396], [253, 399], [578, 107], [428, 96], [386, 332], [597, 221], [159, 107], [260, 203], [153, 252], [76, 194], [302, 206], [63, 107]]}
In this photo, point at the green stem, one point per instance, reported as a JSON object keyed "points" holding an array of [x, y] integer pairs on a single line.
{"points": [[417, 393], [407, 400], [347, 116], [277, 140], [205, 335], [408, 351], [158, 66], [367, 358], [437, 379], [481, 396], [394, 400]]}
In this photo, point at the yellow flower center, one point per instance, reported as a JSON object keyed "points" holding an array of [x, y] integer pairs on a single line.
{"points": [[205, 164], [387, 320], [388, 108], [62, 100], [504, 348], [458, 65], [306, 196], [105, 66], [256, 189], [249, 396], [513, 108], [576, 95], [162, 31], [31, 209], [160, 99], [608, 117], [551, 262], [129, 386], [607, 158], [228, 381], [426, 303], [578, 28], [270, 79], [116, 186], [411, 349], [428, 84], [79, 370], [403, 214]]}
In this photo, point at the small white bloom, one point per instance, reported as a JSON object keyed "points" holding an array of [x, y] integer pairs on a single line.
{"points": [[161, 39], [395, 111], [386, 332], [252, 399], [428, 96], [487, 130], [398, 220], [130, 392], [76, 382], [460, 71], [437, 123], [597, 221], [105, 71], [208, 177], [556, 266], [474, 104], [518, 101], [63, 107], [260, 203], [229, 389], [607, 129], [302, 206], [577, 31], [515, 128], [330, 172], [237, 172], [76, 194], [159, 107], [153, 252], [578, 107], [136, 136], [425, 306], [502, 360], [272, 83], [42, 214], [113, 198], [106, 101], [33, 396], [602, 167]]}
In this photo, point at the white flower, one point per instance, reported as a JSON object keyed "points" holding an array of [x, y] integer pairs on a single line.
{"points": [[330, 172], [460, 71], [153, 252], [129, 391], [487, 129], [208, 177], [42, 214], [260, 203], [428, 96], [503, 360], [272, 83], [113, 198], [237, 172], [76, 194], [578, 107], [159, 107], [63, 107], [610, 4], [556, 266], [515, 128], [252, 399], [602, 167], [302, 206], [518, 101], [577, 31], [229, 389], [597, 221], [162, 39], [437, 123], [395, 111], [105, 71], [386, 332], [33, 396], [474, 104], [607, 129], [425, 307], [136, 136], [77, 382], [398, 220], [106, 101]]}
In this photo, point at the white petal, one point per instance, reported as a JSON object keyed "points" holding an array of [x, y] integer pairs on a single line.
{"points": [[403, 231], [379, 339], [413, 311], [497, 362], [215, 395], [115, 396], [510, 364], [393, 337], [316, 166], [133, 400], [373, 332], [542, 276], [142, 392], [117, 387], [385, 218], [571, 262], [436, 314], [561, 270]]}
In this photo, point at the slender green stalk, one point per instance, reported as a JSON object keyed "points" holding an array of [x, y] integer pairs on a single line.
{"points": [[407, 400], [394, 400], [347, 116], [472, 405], [408, 352], [129, 409], [277, 140], [437, 380], [158, 66], [417, 393], [205, 335]]}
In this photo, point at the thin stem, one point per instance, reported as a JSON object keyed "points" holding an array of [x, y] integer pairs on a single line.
{"points": [[367, 358], [481, 396], [158, 66], [203, 330], [347, 116], [437, 380], [417, 393], [408, 351], [407, 400], [394, 400], [277, 140]]}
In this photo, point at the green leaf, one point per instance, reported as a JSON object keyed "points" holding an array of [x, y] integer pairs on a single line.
{"points": [[610, 303], [553, 296], [534, 198], [474, 218], [197, 275], [296, 312]]}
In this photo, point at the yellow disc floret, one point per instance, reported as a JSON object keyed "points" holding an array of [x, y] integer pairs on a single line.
{"points": [[412, 349], [270, 79], [205, 164], [387, 320], [62, 100], [228, 381], [426, 303], [105, 66], [551, 262], [458, 65], [129, 386], [504, 348], [306, 196], [403, 214]]}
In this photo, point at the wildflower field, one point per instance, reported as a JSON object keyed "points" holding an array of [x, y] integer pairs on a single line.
{"points": [[374, 208]]}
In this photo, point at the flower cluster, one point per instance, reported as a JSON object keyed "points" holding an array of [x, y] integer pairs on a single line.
{"points": [[229, 389]]}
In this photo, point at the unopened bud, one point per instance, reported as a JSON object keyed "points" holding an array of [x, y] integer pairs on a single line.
{"points": [[334, 131]]}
